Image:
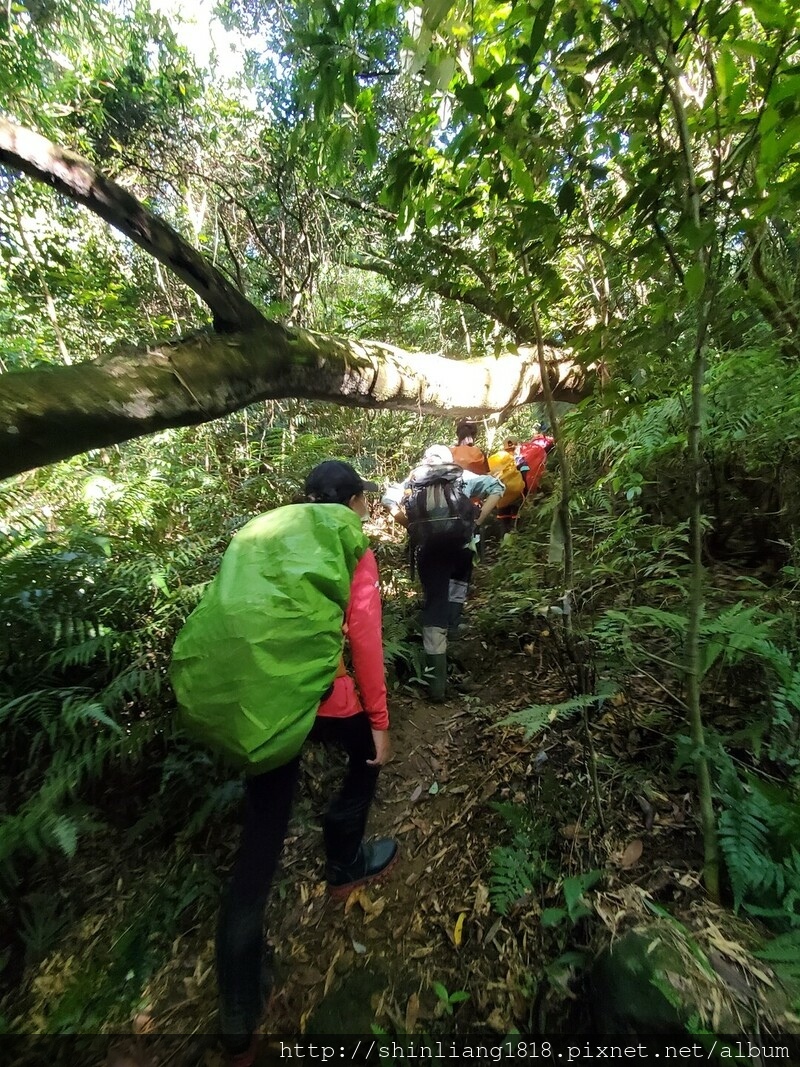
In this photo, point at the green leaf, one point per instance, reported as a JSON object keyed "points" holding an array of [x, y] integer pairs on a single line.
{"points": [[539, 27], [553, 916], [726, 71], [160, 582], [522, 178], [65, 832], [433, 11], [694, 280], [567, 198], [770, 14], [574, 888], [472, 99], [369, 139]]}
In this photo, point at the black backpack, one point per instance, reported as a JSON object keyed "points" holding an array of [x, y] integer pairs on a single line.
{"points": [[438, 512]]}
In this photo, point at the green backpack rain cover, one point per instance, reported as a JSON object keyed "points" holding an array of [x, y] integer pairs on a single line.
{"points": [[260, 649]]}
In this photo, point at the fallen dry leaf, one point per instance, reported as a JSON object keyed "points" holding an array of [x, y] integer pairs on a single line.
{"points": [[458, 932], [481, 904], [353, 899], [632, 853], [497, 1022], [574, 831], [371, 908], [309, 976], [493, 929], [412, 1013], [375, 909]]}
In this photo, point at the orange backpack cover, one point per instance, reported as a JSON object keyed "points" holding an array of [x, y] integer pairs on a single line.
{"points": [[470, 458]]}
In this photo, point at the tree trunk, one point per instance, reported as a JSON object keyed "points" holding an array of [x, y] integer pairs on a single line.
{"points": [[70, 174], [51, 413], [55, 412]]}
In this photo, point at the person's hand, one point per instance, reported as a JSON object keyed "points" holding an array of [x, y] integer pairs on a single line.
{"points": [[383, 748]]}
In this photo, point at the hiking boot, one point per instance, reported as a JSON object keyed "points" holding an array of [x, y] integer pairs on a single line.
{"points": [[373, 860], [249, 1055], [246, 1058]]}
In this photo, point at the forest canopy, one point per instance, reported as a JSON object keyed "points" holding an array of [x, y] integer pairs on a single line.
{"points": [[571, 177]]}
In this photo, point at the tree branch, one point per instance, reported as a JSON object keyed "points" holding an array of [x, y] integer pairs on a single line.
{"points": [[51, 413], [477, 297], [55, 412], [455, 253], [70, 174]]}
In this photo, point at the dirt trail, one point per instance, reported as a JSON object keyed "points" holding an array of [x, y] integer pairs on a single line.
{"points": [[383, 957], [372, 960]]}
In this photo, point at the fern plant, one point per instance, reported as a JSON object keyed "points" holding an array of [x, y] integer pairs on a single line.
{"points": [[519, 868], [86, 626], [536, 717], [783, 955], [759, 827], [513, 873]]}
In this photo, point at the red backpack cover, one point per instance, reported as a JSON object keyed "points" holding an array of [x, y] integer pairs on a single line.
{"points": [[534, 455]]}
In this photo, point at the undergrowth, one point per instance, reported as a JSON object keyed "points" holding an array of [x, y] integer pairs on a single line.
{"points": [[626, 618]]}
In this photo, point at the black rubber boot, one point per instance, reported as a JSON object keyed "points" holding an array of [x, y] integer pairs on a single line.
{"points": [[373, 860]]}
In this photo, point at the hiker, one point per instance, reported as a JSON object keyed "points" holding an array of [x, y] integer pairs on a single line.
{"points": [[503, 465], [434, 503], [466, 453], [531, 458], [257, 669]]}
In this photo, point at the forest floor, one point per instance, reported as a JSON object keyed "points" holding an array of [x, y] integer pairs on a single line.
{"points": [[430, 950], [374, 960]]}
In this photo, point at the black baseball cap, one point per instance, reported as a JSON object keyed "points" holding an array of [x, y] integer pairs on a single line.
{"points": [[333, 482]]}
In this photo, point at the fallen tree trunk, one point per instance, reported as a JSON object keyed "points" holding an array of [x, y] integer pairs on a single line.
{"points": [[52, 413]]}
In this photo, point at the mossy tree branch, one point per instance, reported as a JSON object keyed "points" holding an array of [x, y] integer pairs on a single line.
{"points": [[51, 413]]}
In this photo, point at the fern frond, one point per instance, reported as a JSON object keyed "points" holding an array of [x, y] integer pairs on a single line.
{"points": [[782, 949], [65, 832], [535, 718], [744, 838], [511, 877], [91, 645]]}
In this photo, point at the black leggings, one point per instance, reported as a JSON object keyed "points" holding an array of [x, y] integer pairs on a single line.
{"points": [[267, 809]]}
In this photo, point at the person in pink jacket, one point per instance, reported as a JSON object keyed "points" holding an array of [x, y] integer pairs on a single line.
{"points": [[354, 715]]}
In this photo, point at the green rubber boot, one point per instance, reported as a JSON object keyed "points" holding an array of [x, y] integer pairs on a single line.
{"points": [[436, 673]]}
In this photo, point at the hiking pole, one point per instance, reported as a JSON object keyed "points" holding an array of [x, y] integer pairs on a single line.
{"points": [[481, 544]]}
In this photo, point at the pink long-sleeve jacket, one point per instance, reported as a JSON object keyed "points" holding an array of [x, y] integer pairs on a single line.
{"points": [[362, 625]]}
